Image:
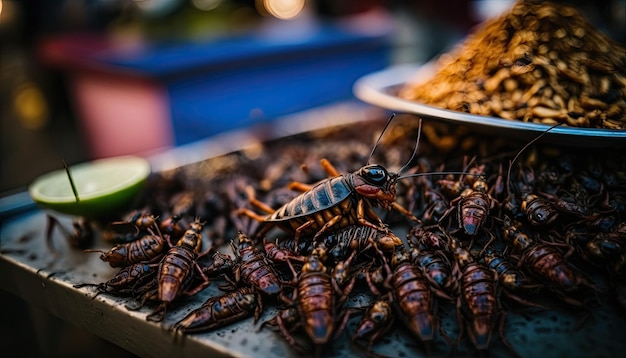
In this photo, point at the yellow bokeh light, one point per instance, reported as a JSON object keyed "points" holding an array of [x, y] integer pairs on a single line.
{"points": [[283, 9], [30, 106]]}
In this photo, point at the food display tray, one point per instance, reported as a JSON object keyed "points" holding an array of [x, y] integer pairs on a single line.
{"points": [[46, 278], [381, 88]]}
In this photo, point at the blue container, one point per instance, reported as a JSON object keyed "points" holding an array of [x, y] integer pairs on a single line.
{"points": [[233, 83]]}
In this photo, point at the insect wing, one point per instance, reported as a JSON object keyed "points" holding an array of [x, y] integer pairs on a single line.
{"points": [[322, 196]]}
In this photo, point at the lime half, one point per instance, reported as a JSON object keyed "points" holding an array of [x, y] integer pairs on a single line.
{"points": [[104, 187]]}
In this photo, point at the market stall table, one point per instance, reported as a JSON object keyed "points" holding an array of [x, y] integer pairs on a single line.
{"points": [[46, 278]]}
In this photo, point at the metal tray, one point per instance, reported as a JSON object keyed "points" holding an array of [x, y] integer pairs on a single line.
{"points": [[380, 88], [31, 272]]}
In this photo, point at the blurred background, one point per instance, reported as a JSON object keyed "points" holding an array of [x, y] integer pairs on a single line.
{"points": [[84, 79]]}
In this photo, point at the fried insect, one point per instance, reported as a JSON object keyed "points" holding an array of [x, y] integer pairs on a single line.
{"points": [[409, 293], [472, 207], [317, 302], [437, 269], [171, 226], [547, 264], [342, 243], [509, 275], [222, 264], [607, 246], [222, 310], [177, 271], [510, 278], [81, 237], [427, 239], [136, 220], [150, 248], [376, 322], [334, 203], [539, 211], [254, 269], [134, 281], [280, 254], [477, 305]]}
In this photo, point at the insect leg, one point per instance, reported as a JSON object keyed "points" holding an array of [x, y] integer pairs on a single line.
{"points": [[251, 214], [326, 226], [362, 210], [295, 185], [256, 202], [329, 168], [405, 212]]}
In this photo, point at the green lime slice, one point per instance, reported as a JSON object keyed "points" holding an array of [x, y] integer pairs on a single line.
{"points": [[104, 187]]}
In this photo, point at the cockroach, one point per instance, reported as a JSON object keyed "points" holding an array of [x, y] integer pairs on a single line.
{"points": [[177, 270], [477, 305], [427, 239], [222, 310], [171, 226], [437, 206], [375, 323], [510, 278], [341, 243], [221, 264], [539, 211], [472, 207], [410, 295], [338, 201], [136, 221], [437, 269], [546, 263], [317, 302], [82, 236], [335, 203], [280, 254], [606, 246], [509, 275], [134, 280], [149, 248], [254, 269]]}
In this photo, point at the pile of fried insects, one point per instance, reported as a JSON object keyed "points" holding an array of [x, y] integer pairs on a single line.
{"points": [[541, 62], [303, 223]]}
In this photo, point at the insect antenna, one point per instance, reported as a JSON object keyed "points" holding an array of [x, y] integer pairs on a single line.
{"points": [[438, 173], [508, 173], [380, 137], [417, 143]]}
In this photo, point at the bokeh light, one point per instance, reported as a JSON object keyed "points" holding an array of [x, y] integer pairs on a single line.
{"points": [[282, 9]]}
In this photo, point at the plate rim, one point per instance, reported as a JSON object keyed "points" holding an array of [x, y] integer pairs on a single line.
{"points": [[372, 88]]}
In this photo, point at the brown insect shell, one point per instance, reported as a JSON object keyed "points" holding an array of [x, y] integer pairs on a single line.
{"points": [[548, 263], [538, 211], [172, 227], [386, 242], [145, 221], [313, 264], [479, 293], [117, 256], [130, 274], [376, 321], [192, 240], [519, 239]]}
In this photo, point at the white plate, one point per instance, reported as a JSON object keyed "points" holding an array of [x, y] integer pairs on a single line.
{"points": [[380, 89]]}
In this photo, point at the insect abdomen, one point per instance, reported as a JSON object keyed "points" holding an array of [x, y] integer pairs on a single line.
{"points": [[323, 196]]}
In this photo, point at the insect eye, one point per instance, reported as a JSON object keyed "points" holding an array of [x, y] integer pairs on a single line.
{"points": [[374, 174]]}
